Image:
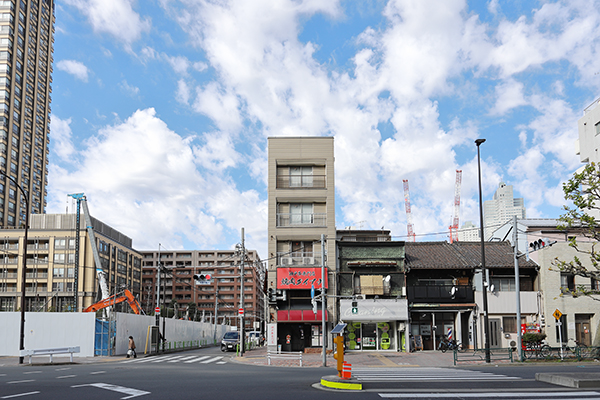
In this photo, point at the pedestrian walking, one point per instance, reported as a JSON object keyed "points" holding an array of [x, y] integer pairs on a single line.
{"points": [[131, 351]]}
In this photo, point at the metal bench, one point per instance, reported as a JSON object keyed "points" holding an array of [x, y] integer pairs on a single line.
{"points": [[284, 356], [44, 352]]}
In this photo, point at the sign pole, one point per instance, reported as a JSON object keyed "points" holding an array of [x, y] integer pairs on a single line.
{"points": [[557, 314], [323, 299]]}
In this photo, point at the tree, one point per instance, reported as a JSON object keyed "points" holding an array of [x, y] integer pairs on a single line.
{"points": [[583, 190]]}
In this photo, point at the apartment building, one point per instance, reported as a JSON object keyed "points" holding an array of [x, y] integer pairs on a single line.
{"points": [[26, 38], [501, 209], [61, 273], [588, 126], [214, 291], [301, 192]]}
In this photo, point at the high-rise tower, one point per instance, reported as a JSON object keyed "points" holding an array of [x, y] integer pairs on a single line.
{"points": [[26, 38]]}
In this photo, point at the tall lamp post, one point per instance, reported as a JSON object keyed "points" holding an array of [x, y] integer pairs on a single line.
{"points": [[486, 326], [24, 271]]}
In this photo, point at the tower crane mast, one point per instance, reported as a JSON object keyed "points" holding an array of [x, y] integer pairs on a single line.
{"points": [[454, 226], [409, 223]]}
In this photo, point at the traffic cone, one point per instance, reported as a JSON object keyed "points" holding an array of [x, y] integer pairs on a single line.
{"points": [[347, 370]]}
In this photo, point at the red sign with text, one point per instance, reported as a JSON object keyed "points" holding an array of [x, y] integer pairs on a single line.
{"points": [[299, 278]]}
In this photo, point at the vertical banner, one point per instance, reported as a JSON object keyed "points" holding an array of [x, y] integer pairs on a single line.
{"points": [[271, 334]]}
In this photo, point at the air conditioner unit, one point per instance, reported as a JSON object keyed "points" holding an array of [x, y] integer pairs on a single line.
{"points": [[308, 260], [286, 261]]}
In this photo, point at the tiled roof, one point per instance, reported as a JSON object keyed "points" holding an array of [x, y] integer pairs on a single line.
{"points": [[461, 255]]}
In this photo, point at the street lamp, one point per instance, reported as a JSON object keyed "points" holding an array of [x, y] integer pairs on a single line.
{"points": [[486, 327], [24, 271]]}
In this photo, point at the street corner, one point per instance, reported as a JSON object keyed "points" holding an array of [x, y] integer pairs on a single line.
{"points": [[335, 382]]}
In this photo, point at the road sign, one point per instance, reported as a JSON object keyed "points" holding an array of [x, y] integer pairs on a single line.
{"points": [[557, 314], [241, 312], [157, 310]]}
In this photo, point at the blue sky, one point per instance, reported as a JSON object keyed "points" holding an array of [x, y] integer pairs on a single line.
{"points": [[161, 108]]}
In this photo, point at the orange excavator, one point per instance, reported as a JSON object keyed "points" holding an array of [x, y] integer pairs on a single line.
{"points": [[117, 298]]}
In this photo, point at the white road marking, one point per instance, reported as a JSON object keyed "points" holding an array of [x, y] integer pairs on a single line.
{"points": [[521, 395], [197, 359], [65, 376], [115, 388], [18, 395], [32, 372], [23, 381], [211, 360], [97, 372]]}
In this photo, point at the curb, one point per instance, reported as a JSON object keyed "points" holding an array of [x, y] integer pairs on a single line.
{"points": [[336, 382]]}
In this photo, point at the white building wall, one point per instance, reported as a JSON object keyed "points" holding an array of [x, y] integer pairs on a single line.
{"points": [[589, 139]]}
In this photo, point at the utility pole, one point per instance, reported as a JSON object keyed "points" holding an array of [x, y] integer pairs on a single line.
{"points": [[242, 333], [517, 287], [158, 290], [216, 309], [323, 299]]}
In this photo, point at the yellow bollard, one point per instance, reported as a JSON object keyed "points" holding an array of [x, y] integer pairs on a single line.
{"points": [[339, 353]]}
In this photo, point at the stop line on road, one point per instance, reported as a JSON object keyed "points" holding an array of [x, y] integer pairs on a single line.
{"points": [[178, 359], [424, 374]]}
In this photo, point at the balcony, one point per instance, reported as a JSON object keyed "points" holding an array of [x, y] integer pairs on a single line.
{"points": [[301, 182], [301, 220], [298, 258], [440, 294]]}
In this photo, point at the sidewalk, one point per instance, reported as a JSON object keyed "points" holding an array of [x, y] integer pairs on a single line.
{"points": [[358, 359]]}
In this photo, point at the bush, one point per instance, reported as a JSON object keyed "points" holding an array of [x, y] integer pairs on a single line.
{"points": [[533, 337]]}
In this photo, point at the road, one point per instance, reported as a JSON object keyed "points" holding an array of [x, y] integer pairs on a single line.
{"points": [[210, 374]]}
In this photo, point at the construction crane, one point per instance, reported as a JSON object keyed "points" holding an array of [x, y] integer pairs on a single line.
{"points": [[454, 226], [409, 224], [82, 201], [117, 298]]}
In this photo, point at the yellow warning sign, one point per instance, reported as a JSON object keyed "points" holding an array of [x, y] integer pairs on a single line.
{"points": [[557, 314]]}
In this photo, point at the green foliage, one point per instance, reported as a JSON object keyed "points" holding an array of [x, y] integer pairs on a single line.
{"points": [[533, 337], [583, 190]]}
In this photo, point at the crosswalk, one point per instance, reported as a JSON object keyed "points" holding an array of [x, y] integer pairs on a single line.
{"points": [[523, 395], [177, 359], [424, 374]]}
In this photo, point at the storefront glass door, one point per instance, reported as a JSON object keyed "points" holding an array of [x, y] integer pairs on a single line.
{"points": [[369, 336]]}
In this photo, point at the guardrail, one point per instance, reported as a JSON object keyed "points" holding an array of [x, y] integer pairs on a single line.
{"points": [[479, 355], [284, 356], [41, 352]]}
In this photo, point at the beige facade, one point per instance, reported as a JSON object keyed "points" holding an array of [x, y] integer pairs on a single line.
{"points": [[52, 275], [301, 189], [26, 46], [179, 288]]}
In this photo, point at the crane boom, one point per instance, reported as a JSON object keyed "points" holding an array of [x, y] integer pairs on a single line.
{"points": [[454, 226], [81, 199], [409, 224], [126, 295]]}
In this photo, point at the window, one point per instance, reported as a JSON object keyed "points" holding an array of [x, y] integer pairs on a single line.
{"points": [[58, 273], [567, 282], [59, 258], [301, 177], [60, 243], [301, 213]]}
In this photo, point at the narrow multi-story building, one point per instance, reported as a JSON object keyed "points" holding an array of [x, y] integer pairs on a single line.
{"points": [[61, 272], [26, 38], [588, 126], [301, 191], [501, 209], [204, 283]]}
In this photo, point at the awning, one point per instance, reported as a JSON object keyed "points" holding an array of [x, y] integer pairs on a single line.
{"points": [[299, 315], [372, 263]]}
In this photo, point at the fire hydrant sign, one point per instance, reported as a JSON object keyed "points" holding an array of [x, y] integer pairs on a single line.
{"points": [[557, 314]]}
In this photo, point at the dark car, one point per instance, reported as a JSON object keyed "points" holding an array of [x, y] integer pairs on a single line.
{"points": [[230, 341]]}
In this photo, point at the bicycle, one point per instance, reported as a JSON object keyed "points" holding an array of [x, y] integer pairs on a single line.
{"points": [[577, 350], [536, 350], [446, 345]]}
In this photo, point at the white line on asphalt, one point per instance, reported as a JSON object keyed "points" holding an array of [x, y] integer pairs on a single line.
{"points": [[65, 376], [521, 395], [97, 372], [32, 372], [184, 358], [197, 359], [211, 360], [121, 389], [62, 369], [18, 395], [177, 359], [166, 359], [23, 381], [222, 362]]}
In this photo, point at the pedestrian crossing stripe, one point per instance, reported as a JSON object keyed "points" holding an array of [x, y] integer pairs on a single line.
{"points": [[493, 395], [424, 374], [176, 359]]}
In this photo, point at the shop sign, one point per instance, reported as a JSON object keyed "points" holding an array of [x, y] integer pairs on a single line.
{"points": [[299, 278], [375, 310], [272, 334]]}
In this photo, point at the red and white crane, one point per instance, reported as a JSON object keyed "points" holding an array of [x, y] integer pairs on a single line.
{"points": [[409, 224], [454, 226]]}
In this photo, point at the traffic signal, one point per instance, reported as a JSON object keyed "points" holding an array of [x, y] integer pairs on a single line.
{"points": [[354, 306], [541, 243], [272, 295], [202, 279]]}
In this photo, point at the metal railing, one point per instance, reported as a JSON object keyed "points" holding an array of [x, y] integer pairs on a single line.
{"points": [[313, 219], [301, 181]]}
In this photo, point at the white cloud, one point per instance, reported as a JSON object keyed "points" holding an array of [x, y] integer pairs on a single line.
{"points": [[132, 174], [220, 105], [61, 143], [75, 68], [115, 17], [130, 90], [509, 95], [183, 92]]}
